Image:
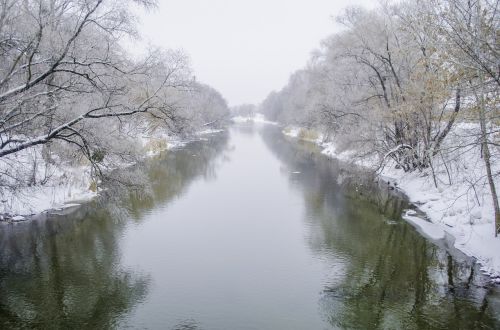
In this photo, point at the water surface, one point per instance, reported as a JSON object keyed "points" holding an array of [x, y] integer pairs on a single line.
{"points": [[243, 230]]}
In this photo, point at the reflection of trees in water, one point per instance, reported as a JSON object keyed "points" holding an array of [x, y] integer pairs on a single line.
{"points": [[186, 325], [248, 128], [64, 271], [164, 178], [394, 278], [388, 276]]}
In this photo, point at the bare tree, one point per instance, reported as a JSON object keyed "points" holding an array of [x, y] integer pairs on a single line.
{"points": [[66, 82], [401, 79], [471, 29]]}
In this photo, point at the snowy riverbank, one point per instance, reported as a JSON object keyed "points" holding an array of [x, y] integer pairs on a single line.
{"points": [[257, 118], [62, 185], [460, 205]]}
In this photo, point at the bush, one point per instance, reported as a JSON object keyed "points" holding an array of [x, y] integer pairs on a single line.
{"points": [[308, 135]]}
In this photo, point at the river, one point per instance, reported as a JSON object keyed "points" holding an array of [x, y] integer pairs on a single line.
{"points": [[242, 230]]}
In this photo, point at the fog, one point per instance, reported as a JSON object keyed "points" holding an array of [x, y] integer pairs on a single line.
{"points": [[243, 48]]}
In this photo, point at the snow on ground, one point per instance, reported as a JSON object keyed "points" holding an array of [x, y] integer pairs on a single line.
{"points": [[156, 143], [55, 185], [36, 199], [209, 131], [66, 186], [304, 134], [293, 131], [257, 118], [329, 148], [463, 208], [426, 228]]}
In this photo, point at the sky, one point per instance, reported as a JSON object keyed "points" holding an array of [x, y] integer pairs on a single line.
{"points": [[244, 48]]}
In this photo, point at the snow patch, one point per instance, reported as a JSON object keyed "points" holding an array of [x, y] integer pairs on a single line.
{"points": [[67, 186], [209, 131], [257, 118], [330, 149], [460, 205], [428, 229]]}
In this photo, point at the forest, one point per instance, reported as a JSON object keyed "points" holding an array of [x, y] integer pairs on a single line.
{"points": [[411, 86], [74, 100], [235, 164]]}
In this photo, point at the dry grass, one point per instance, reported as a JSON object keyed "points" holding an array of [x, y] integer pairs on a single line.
{"points": [[308, 135], [156, 145]]}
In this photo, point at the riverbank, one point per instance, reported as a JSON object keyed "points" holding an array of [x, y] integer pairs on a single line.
{"points": [[257, 118], [309, 256], [454, 195], [66, 186]]}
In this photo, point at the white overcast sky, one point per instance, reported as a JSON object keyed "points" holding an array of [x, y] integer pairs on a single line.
{"points": [[244, 48]]}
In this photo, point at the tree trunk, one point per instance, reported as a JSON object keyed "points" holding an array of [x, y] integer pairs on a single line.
{"points": [[486, 156], [487, 163], [482, 121]]}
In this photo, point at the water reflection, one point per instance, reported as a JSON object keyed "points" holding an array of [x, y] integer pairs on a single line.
{"points": [[186, 325], [64, 274], [64, 271], [386, 276], [164, 178], [261, 243]]}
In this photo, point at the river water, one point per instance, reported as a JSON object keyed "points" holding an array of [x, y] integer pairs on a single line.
{"points": [[242, 230]]}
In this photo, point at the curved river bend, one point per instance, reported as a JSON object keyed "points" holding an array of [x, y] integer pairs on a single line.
{"points": [[244, 230]]}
